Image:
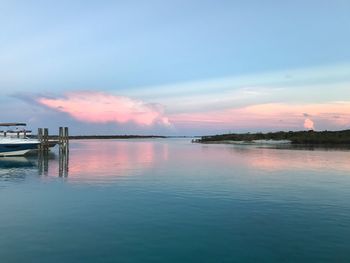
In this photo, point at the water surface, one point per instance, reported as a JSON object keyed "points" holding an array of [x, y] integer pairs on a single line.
{"points": [[168, 200]]}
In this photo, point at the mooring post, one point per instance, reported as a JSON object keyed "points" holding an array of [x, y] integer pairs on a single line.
{"points": [[63, 151], [66, 137], [43, 159], [40, 138], [60, 135], [40, 134], [46, 138]]}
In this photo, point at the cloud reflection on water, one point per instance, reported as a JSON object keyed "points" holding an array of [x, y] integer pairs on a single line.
{"points": [[103, 159], [270, 159], [95, 161]]}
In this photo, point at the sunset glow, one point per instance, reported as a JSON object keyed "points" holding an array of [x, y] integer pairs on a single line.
{"points": [[99, 107], [165, 69], [273, 116]]}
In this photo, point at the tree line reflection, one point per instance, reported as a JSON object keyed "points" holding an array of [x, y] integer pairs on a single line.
{"points": [[93, 160]]}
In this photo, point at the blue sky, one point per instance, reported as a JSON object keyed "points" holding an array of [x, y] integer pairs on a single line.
{"points": [[188, 57]]}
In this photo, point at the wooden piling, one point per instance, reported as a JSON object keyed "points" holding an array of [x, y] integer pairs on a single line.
{"points": [[60, 135], [63, 151], [46, 139], [43, 137], [40, 138], [66, 137]]}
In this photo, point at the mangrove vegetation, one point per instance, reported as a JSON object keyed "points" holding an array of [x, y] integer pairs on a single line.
{"points": [[295, 137]]}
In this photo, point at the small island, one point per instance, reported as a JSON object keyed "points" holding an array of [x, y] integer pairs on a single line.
{"points": [[311, 137]]}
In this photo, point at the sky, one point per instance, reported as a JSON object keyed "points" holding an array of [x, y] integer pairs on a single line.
{"points": [[193, 67]]}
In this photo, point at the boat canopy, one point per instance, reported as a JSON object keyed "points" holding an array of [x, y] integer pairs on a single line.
{"points": [[8, 124]]}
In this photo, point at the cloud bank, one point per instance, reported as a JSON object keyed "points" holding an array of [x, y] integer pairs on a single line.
{"points": [[100, 107], [271, 116]]}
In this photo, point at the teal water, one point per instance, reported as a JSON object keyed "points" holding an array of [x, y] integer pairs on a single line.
{"points": [[173, 201]]}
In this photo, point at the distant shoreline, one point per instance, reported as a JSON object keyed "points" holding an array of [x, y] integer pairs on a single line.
{"points": [[125, 137], [329, 138], [84, 137]]}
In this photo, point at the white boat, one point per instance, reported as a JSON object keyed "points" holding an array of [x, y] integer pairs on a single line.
{"points": [[18, 130], [15, 133], [16, 143], [17, 146]]}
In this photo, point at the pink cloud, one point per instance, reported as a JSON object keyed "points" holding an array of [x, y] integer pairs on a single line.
{"points": [[100, 107], [309, 124], [334, 115]]}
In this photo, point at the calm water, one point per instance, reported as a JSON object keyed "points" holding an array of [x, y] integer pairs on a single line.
{"points": [[173, 201]]}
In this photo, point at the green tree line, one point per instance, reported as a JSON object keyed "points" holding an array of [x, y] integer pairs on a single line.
{"points": [[296, 137]]}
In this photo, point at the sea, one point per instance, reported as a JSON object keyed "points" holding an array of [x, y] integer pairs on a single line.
{"points": [[170, 200]]}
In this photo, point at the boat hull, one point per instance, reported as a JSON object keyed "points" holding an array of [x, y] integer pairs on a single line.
{"points": [[10, 149]]}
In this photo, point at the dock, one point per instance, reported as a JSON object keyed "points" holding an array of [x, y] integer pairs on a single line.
{"points": [[47, 142]]}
